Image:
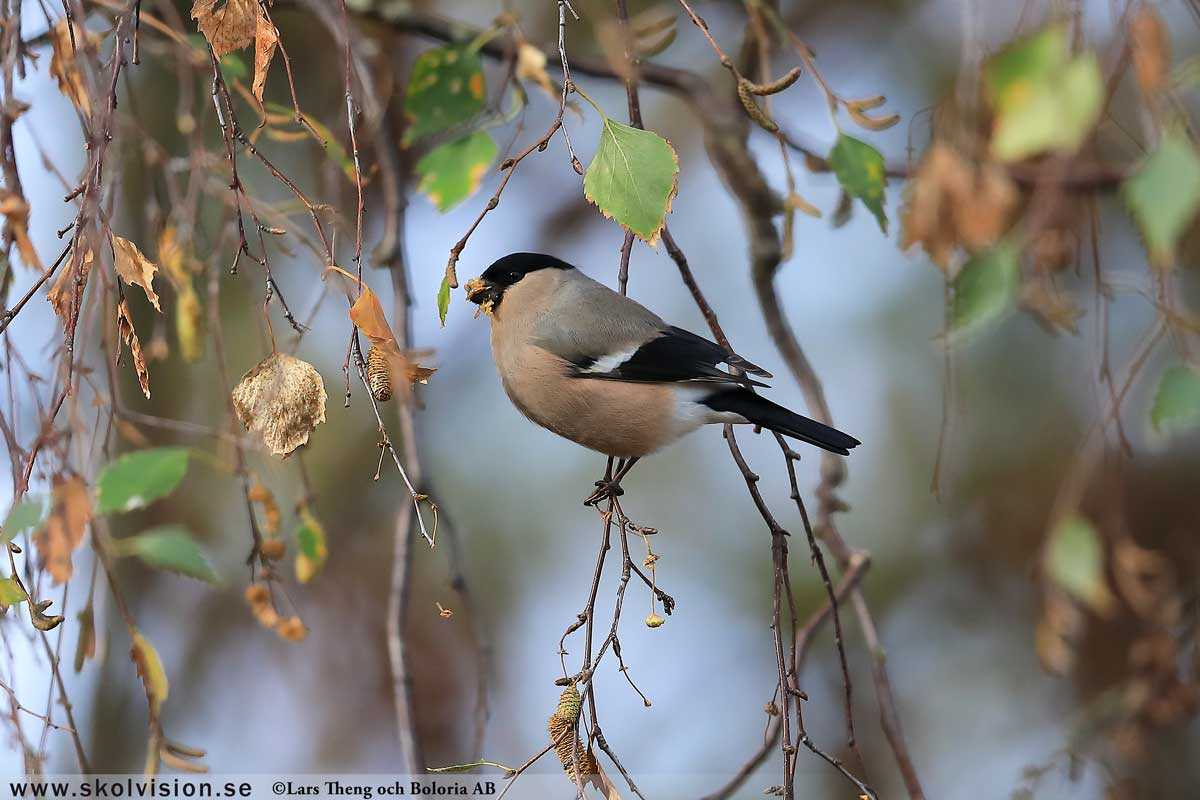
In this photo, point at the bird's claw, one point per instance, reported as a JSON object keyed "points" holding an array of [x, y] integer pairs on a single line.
{"points": [[604, 490]]}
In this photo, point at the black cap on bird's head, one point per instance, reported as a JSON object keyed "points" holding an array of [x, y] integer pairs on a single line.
{"points": [[503, 273]]}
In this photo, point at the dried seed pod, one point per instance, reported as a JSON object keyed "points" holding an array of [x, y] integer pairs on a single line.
{"points": [[569, 703], [775, 86], [563, 727], [379, 376], [745, 91]]}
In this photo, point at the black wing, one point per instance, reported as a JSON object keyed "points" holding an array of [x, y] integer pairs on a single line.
{"points": [[674, 356]]}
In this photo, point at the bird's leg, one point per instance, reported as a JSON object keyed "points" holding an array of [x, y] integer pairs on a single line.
{"points": [[611, 485]]}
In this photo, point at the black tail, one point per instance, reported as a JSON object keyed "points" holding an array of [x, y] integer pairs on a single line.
{"points": [[761, 411]]}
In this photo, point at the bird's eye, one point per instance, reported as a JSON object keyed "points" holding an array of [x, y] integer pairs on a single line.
{"points": [[516, 276]]}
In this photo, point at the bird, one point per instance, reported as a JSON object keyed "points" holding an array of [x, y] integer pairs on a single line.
{"points": [[602, 370]]}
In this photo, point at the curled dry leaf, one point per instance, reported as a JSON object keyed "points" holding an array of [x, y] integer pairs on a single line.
{"points": [[135, 268], [266, 38], [282, 399], [16, 212], [129, 336], [62, 294], [63, 533], [951, 203], [63, 67]]}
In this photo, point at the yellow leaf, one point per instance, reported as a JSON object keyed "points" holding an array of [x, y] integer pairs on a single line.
{"points": [[135, 268], [282, 399], [189, 324], [150, 670], [65, 527], [265, 40], [189, 317], [129, 336], [14, 207], [228, 28], [172, 257]]}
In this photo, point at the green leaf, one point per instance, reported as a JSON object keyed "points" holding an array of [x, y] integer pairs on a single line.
{"points": [[1074, 559], [1031, 59], [1044, 99], [10, 593], [137, 479], [633, 178], [169, 547], [450, 173], [984, 289], [445, 89], [443, 299], [1164, 195], [859, 169], [310, 541], [26, 515], [1177, 400]]}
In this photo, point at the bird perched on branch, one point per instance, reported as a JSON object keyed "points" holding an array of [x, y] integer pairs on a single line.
{"points": [[602, 370]]}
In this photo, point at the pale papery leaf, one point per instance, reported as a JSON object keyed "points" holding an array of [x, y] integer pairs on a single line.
{"points": [[282, 399]]}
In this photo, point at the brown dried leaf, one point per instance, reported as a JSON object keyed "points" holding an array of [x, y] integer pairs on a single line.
{"points": [[63, 67], [135, 268], [65, 527], [951, 203], [228, 28], [129, 336], [282, 399], [367, 314], [62, 294], [16, 211], [265, 40], [1151, 49]]}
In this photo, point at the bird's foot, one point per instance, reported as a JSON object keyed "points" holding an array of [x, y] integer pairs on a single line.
{"points": [[604, 490]]}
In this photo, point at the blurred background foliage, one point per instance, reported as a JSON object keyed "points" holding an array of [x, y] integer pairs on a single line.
{"points": [[1006, 681]]}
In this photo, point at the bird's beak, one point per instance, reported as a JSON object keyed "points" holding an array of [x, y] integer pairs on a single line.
{"points": [[480, 291]]}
